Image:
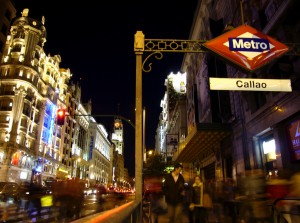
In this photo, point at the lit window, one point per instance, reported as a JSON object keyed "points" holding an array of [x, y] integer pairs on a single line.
{"points": [[269, 148]]}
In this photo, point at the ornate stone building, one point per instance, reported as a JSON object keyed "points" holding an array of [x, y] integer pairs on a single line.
{"points": [[32, 88]]}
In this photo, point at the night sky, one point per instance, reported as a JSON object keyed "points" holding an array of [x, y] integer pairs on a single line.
{"points": [[95, 41]]}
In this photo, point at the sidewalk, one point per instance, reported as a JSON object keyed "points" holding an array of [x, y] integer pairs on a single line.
{"points": [[215, 215], [164, 219], [212, 218]]}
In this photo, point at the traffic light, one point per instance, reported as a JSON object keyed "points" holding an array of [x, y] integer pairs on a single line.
{"points": [[60, 116]]}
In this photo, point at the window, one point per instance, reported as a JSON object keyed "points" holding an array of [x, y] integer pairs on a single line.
{"points": [[269, 149], [17, 48], [4, 119], [5, 104], [26, 109], [20, 34], [24, 122]]}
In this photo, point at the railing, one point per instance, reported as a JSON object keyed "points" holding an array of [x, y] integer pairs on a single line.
{"points": [[130, 212], [285, 209], [147, 212]]}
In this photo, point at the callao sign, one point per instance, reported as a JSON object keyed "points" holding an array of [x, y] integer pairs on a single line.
{"points": [[246, 47], [248, 84]]}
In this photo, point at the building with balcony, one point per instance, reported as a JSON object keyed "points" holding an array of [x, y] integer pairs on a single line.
{"points": [[172, 125], [101, 155], [32, 88]]}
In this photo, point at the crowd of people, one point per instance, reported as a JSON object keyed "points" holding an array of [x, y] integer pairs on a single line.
{"points": [[249, 198]]}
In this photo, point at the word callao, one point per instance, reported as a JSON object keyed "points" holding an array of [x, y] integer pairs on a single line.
{"points": [[250, 84]]}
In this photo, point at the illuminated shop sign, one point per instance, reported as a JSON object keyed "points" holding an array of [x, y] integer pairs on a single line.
{"points": [[248, 84], [293, 133], [246, 47], [172, 144], [178, 82], [47, 132]]}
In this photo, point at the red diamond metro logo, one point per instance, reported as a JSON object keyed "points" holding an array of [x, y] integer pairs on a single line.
{"points": [[246, 47]]}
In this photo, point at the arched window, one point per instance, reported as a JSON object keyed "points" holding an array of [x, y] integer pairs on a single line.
{"points": [[17, 48]]}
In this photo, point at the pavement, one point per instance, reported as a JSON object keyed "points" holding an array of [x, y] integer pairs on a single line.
{"points": [[164, 219], [212, 218]]}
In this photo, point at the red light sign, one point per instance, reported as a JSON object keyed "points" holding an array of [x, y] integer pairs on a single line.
{"points": [[246, 47]]}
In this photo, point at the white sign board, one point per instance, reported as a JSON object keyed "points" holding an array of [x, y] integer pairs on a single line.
{"points": [[247, 84]]}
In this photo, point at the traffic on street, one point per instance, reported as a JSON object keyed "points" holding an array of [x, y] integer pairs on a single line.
{"points": [[57, 201]]}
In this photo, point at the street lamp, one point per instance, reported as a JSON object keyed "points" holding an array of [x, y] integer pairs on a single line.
{"points": [[138, 48], [155, 47]]}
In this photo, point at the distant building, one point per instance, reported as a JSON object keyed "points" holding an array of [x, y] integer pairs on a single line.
{"points": [[101, 155], [172, 121], [118, 163]]}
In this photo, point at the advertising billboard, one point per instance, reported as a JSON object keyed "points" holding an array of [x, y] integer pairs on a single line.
{"points": [[172, 144], [293, 135]]}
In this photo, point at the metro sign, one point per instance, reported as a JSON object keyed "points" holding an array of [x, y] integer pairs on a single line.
{"points": [[246, 47]]}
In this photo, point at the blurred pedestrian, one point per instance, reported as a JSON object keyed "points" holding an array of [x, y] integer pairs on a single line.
{"points": [[187, 200], [200, 213], [174, 194], [293, 205]]}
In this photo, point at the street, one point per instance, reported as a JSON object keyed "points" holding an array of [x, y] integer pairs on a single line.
{"points": [[91, 205]]}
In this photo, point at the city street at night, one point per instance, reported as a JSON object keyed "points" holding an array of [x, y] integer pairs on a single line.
{"points": [[150, 111], [91, 204]]}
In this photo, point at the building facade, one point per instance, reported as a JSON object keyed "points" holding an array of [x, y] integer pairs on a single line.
{"points": [[101, 155], [33, 86], [172, 123], [233, 132], [117, 139]]}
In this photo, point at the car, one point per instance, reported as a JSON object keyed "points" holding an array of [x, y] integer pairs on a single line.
{"points": [[89, 191], [9, 192], [99, 189]]}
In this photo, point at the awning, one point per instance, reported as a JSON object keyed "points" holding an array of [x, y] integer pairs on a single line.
{"points": [[202, 139]]}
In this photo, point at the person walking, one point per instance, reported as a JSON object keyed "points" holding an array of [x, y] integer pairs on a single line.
{"points": [[174, 194], [199, 211]]}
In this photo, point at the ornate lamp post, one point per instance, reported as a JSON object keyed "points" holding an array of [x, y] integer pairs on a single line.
{"points": [[155, 47]]}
